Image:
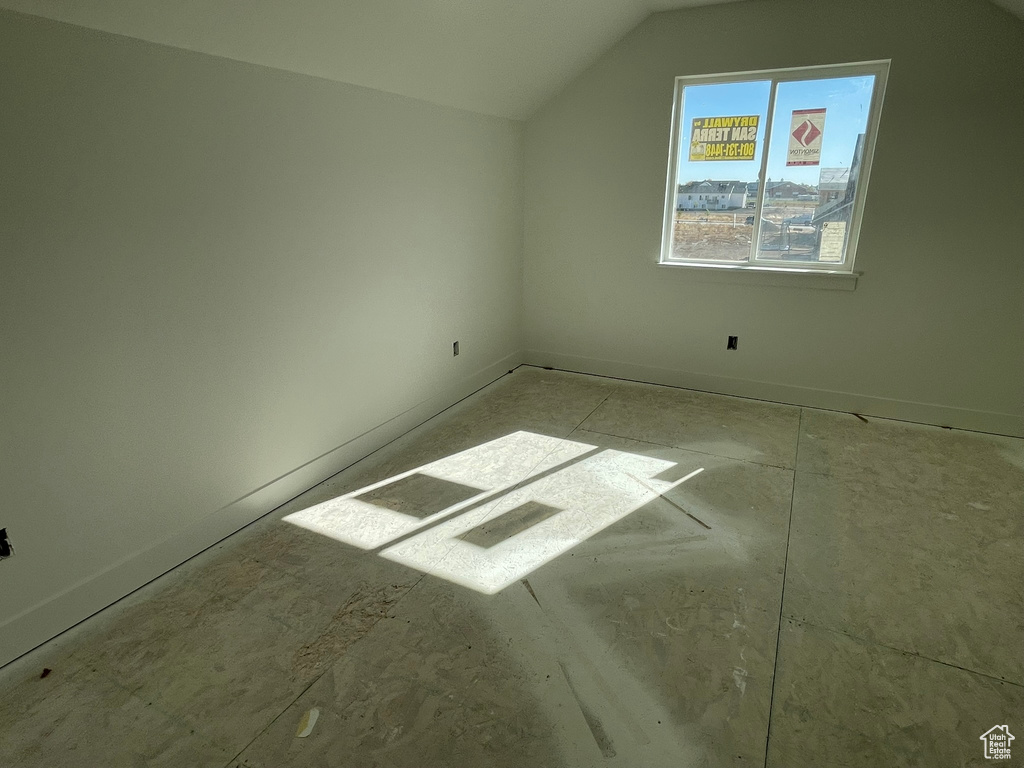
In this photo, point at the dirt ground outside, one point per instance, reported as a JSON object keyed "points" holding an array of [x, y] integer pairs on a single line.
{"points": [[721, 236], [726, 235]]}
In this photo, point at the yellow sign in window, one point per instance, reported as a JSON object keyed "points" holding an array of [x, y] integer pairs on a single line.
{"points": [[724, 138]]}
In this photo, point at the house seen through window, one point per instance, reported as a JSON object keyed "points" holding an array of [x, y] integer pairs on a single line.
{"points": [[770, 168]]}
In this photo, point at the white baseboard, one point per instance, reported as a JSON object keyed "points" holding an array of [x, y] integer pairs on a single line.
{"points": [[44, 621], [904, 410]]}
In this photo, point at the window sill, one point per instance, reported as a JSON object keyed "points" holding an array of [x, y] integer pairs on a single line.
{"points": [[787, 277]]}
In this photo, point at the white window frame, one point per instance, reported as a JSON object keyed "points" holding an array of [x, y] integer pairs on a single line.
{"points": [[878, 68]]}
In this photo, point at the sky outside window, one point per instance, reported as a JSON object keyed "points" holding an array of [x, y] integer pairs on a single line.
{"points": [[847, 102], [722, 100]]}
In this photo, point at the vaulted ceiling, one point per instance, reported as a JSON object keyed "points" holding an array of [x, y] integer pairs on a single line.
{"points": [[498, 57]]}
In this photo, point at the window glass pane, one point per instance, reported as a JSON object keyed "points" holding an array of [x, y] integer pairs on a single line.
{"points": [[814, 154], [721, 140]]}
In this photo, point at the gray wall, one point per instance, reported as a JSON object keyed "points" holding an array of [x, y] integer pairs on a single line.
{"points": [[212, 274], [935, 328]]}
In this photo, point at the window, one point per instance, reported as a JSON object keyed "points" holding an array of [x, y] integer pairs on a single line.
{"points": [[793, 144]]}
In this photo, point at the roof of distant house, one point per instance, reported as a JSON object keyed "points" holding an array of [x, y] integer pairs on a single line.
{"points": [[714, 186]]}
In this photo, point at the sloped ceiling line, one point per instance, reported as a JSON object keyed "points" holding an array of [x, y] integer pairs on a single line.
{"points": [[488, 56]]}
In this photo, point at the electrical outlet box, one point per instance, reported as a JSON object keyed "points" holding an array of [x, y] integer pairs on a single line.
{"points": [[455, 349], [732, 342], [6, 550]]}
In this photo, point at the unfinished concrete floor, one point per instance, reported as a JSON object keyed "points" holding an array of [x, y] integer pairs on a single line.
{"points": [[538, 578]]}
